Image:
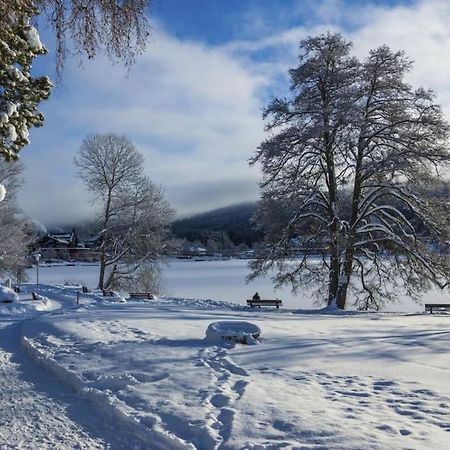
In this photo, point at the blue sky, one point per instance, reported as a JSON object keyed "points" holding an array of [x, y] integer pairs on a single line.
{"points": [[192, 103]]}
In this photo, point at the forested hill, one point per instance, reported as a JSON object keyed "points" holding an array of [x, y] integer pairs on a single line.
{"points": [[234, 221]]}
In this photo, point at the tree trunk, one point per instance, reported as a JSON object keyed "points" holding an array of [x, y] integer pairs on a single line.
{"points": [[103, 254], [101, 278], [333, 284], [341, 297], [111, 277]]}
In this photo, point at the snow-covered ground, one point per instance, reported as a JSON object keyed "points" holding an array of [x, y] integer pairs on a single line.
{"points": [[145, 369]]}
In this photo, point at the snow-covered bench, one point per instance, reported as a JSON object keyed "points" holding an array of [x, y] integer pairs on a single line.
{"points": [[107, 293], [252, 303], [437, 307], [147, 295]]}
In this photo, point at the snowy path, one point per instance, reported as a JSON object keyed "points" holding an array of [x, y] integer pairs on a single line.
{"points": [[39, 412]]}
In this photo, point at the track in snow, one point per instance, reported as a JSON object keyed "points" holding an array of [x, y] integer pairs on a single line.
{"points": [[39, 412]]}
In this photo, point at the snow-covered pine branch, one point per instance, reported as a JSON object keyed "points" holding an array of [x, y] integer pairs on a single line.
{"points": [[20, 92]]}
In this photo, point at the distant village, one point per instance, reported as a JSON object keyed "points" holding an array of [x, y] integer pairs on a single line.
{"points": [[69, 247]]}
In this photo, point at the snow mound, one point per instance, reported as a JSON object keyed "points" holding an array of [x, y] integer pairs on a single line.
{"points": [[7, 295], [234, 331], [115, 297]]}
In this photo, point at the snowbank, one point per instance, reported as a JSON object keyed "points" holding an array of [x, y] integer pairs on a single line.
{"points": [[7, 295]]}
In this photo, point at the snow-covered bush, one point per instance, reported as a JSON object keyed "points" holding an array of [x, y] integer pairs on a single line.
{"points": [[7, 295], [233, 331]]}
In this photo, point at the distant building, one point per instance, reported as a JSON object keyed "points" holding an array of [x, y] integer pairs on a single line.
{"points": [[64, 246], [59, 240]]}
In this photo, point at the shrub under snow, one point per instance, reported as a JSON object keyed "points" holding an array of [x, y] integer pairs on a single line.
{"points": [[234, 331], [7, 295]]}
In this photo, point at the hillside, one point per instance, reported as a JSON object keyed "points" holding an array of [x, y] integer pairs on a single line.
{"points": [[233, 221]]}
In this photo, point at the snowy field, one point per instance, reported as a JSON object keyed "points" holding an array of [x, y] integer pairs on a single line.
{"points": [[217, 280], [142, 375]]}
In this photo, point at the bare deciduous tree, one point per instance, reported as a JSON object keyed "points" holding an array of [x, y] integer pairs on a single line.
{"points": [[134, 216], [348, 160]]}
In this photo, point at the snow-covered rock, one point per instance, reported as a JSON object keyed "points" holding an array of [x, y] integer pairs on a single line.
{"points": [[7, 295], [235, 331]]}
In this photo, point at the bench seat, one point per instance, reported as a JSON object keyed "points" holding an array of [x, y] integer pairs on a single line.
{"points": [[147, 295], [437, 307], [252, 303]]}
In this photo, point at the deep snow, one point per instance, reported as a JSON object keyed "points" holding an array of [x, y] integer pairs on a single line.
{"points": [[315, 380]]}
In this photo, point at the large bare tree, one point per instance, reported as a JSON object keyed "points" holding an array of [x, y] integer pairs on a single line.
{"points": [[134, 214], [346, 168]]}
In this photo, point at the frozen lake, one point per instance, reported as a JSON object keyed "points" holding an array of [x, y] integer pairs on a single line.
{"points": [[217, 280]]}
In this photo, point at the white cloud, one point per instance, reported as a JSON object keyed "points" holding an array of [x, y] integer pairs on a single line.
{"points": [[420, 28], [422, 31], [193, 111]]}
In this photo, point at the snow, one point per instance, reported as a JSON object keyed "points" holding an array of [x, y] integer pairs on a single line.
{"points": [[11, 132], [233, 332], [11, 108], [32, 37], [2, 192], [8, 295], [16, 74], [316, 379], [87, 371]]}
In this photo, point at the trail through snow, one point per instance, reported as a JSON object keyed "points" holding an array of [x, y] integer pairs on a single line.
{"points": [[37, 411], [40, 411]]}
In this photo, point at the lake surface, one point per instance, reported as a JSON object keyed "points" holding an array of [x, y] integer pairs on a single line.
{"points": [[217, 280]]}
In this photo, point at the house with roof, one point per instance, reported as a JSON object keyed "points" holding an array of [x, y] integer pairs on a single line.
{"points": [[59, 246]]}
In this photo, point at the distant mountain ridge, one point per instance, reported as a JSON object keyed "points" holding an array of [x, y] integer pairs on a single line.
{"points": [[234, 220]]}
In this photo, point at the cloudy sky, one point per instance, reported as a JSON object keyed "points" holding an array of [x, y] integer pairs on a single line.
{"points": [[192, 104]]}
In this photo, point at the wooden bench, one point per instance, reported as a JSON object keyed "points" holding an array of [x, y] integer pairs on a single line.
{"points": [[107, 293], [437, 307], [252, 303], [147, 295]]}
